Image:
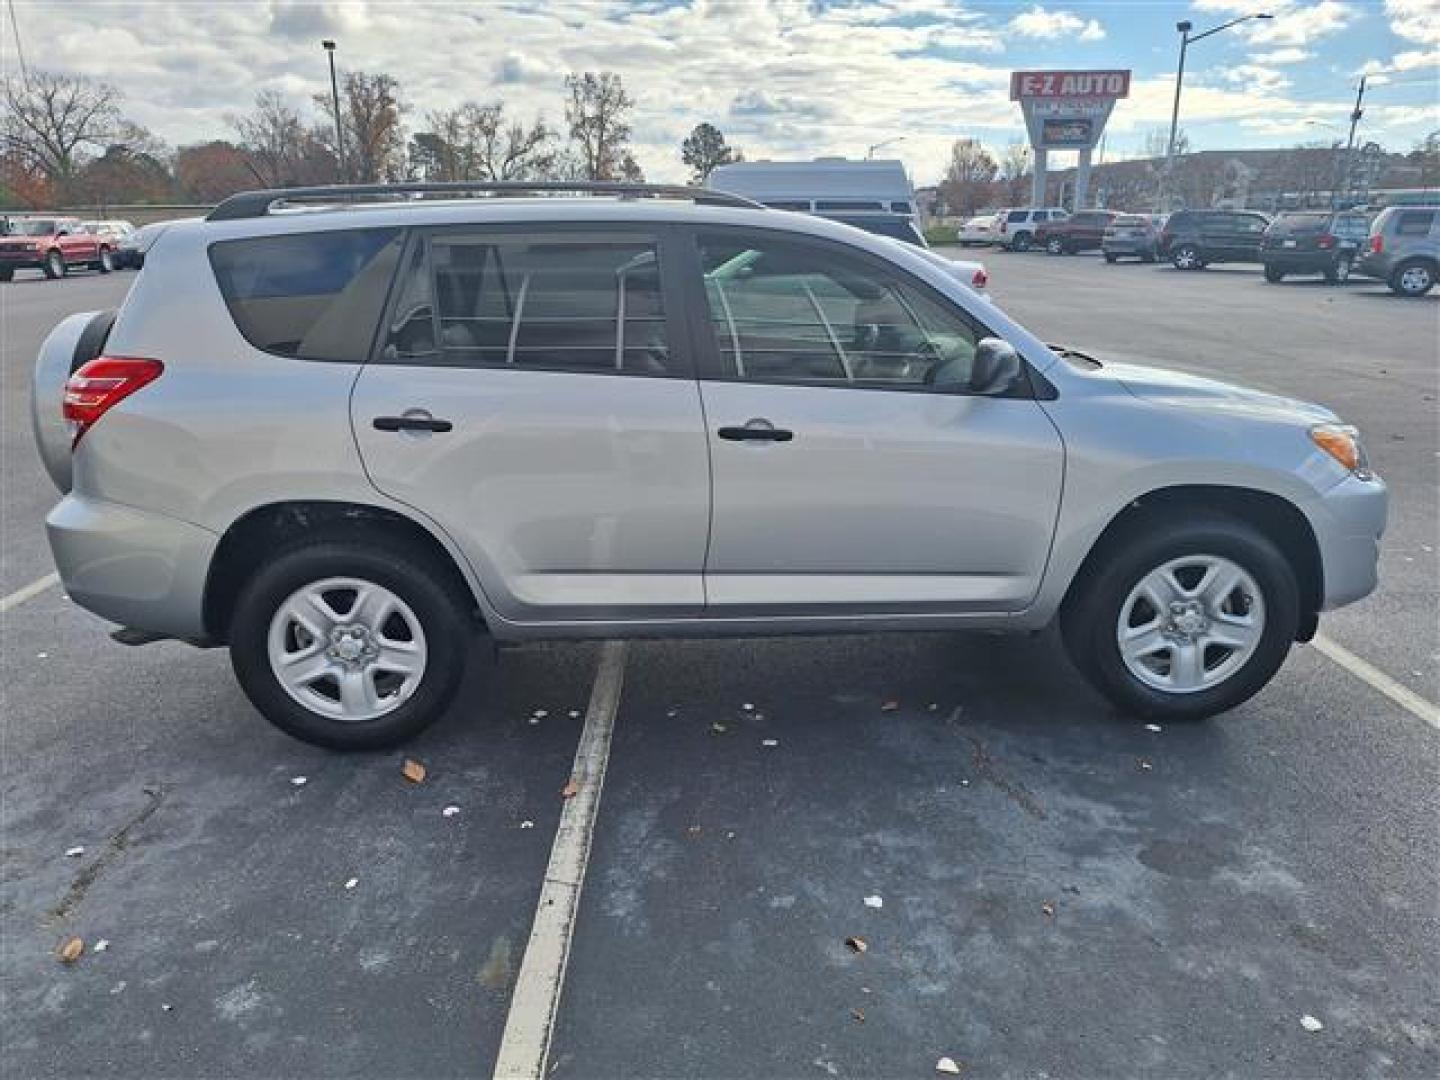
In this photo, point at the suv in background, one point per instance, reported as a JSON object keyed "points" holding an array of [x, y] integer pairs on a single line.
{"points": [[1313, 242], [499, 415], [1403, 249], [1015, 228], [1133, 234], [113, 231], [1082, 231], [1193, 239], [51, 244]]}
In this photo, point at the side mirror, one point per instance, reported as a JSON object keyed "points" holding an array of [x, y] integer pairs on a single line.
{"points": [[996, 367]]}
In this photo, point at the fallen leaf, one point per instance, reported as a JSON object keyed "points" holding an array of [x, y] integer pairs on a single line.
{"points": [[856, 944], [71, 950], [74, 852], [1048, 907], [1309, 1023], [352, 883], [947, 1066], [450, 811], [889, 706], [101, 945], [570, 790], [875, 901], [298, 781], [413, 771], [858, 1015]]}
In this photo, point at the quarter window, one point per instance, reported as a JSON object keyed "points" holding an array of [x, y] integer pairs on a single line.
{"points": [[797, 313], [1413, 222], [532, 302]]}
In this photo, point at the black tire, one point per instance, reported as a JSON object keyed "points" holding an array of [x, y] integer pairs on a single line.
{"points": [[406, 572], [1092, 611], [1413, 277], [1148, 257], [1021, 242], [1274, 274], [106, 262], [1111, 258], [7, 274], [1187, 257], [1055, 246], [55, 265]]}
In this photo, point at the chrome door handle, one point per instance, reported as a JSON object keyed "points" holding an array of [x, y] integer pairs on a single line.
{"points": [[411, 423]]}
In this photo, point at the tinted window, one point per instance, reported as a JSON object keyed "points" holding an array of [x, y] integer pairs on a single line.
{"points": [[902, 208], [788, 204], [532, 302], [797, 313], [1016, 215], [1129, 221], [1300, 224], [1351, 226], [848, 204], [1413, 222], [897, 228], [312, 295]]}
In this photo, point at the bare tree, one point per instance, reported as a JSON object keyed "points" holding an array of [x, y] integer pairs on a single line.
{"points": [[279, 150], [477, 142], [52, 119], [1015, 170], [967, 176], [596, 112], [704, 149], [370, 111], [1157, 142]]}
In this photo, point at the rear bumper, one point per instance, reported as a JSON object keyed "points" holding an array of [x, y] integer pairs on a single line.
{"points": [[1349, 531], [1301, 262], [1128, 247], [1374, 266], [132, 567], [22, 262]]}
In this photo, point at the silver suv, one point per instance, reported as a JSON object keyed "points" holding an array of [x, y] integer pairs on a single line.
{"points": [[344, 431], [1403, 249]]}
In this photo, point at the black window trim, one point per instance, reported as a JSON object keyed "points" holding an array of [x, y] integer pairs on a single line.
{"points": [[659, 234], [711, 366]]}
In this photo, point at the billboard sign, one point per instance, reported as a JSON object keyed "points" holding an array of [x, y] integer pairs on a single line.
{"points": [[1068, 84], [1067, 131], [1067, 110]]}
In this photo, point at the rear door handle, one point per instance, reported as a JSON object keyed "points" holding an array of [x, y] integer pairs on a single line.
{"points": [[755, 434], [411, 423]]}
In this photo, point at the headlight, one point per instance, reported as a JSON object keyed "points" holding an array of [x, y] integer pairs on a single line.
{"points": [[1342, 442]]}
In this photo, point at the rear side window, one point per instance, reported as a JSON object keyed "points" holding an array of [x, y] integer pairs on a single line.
{"points": [[1016, 216], [848, 204], [592, 304], [315, 296], [1413, 222]]}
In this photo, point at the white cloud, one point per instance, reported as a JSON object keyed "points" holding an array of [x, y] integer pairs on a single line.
{"points": [[1414, 20], [1300, 24], [1288, 55], [1256, 77], [1040, 23]]}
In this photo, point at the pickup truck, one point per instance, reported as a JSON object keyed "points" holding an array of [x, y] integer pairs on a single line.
{"points": [[1083, 231], [52, 244]]}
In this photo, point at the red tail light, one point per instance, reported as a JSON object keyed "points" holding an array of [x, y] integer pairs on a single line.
{"points": [[1325, 241], [1377, 244], [979, 278], [101, 385]]}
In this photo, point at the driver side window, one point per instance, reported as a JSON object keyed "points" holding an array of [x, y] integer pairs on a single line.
{"points": [[789, 312]]}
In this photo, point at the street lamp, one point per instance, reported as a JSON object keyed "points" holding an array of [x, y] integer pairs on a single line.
{"points": [[1185, 40], [870, 153], [329, 47]]}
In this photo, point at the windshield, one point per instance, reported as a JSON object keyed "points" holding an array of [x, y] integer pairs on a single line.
{"points": [[1130, 221], [1301, 223], [33, 226]]}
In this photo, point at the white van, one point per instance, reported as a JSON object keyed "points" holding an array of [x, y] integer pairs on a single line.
{"points": [[872, 195]]}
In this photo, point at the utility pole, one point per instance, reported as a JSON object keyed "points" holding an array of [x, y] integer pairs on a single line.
{"points": [[1355, 115], [335, 99]]}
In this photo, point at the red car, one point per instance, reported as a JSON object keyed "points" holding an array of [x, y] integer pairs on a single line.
{"points": [[51, 244], [1082, 231]]}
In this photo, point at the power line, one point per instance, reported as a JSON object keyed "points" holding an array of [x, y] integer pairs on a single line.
{"points": [[19, 50]]}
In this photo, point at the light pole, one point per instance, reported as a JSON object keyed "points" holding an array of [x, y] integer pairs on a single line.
{"points": [[329, 47], [1185, 41], [870, 153]]}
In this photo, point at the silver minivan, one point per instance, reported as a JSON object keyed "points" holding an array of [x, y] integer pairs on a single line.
{"points": [[344, 432]]}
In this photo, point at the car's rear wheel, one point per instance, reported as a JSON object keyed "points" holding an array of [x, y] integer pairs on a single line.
{"points": [[1273, 273], [1184, 620], [1055, 246], [107, 261], [1413, 278], [1187, 257], [1148, 257], [55, 265], [351, 646], [1111, 258], [1021, 242], [7, 274]]}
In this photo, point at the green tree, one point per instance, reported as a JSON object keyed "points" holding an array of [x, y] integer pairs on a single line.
{"points": [[596, 111], [704, 149]]}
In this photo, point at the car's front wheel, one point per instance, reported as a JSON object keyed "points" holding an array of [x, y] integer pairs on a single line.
{"points": [[1413, 278], [1273, 273], [55, 265], [1187, 257], [1021, 242], [1184, 620], [107, 261], [350, 646], [1055, 246]]}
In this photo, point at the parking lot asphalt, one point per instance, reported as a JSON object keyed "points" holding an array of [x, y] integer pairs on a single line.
{"points": [[1062, 891]]}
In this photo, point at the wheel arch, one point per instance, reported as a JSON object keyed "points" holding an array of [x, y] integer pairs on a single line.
{"points": [[264, 530], [1280, 520]]}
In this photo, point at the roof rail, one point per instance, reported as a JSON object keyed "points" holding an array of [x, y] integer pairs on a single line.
{"points": [[253, 204]]}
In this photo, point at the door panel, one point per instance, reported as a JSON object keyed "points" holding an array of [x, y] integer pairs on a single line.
{"points": [[575, 476]]}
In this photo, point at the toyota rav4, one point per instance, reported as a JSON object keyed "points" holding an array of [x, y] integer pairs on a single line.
{"points": [[346, 431]]}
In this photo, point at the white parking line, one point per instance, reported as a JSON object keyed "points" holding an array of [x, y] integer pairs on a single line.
{"points": [[525, 1044], [35, 588], [1368, 673]]}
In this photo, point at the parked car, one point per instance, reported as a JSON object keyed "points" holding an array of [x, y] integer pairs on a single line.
{"points": [[980, 231], [1193, 239], [497, 416], [114, 231], [1321, 242], [1082, 231], [1016, 228], [1133, 234], [896, 226], [54, 245], [1403, 249]]}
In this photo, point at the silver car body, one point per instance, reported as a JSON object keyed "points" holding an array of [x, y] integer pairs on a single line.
{"points": [[582, 504], [1397, 247]]}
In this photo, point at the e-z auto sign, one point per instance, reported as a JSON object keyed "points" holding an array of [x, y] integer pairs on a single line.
{"points": [[1069, 84]]}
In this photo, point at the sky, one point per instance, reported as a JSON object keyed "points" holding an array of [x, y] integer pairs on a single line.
{"points": [[782, 79]]}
